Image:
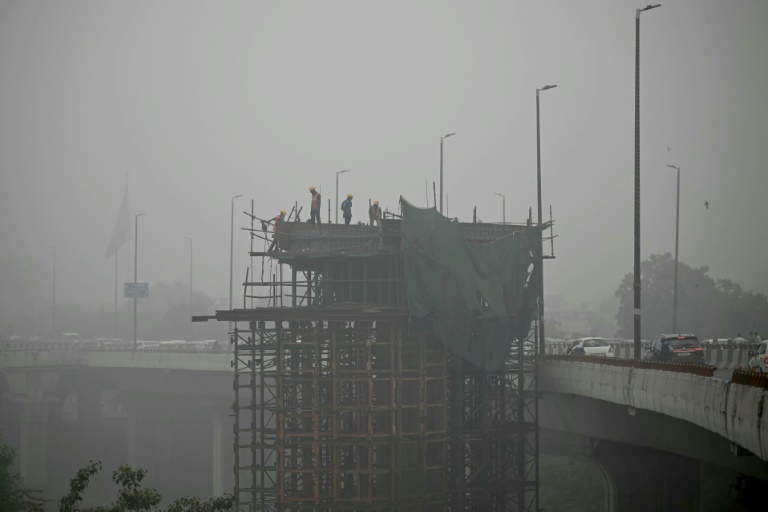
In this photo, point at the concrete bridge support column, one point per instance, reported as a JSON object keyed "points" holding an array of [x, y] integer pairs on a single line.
{"points": [[33, 455], [641, 479], [219, 449], [34, 393], [148, 439], [88, 418], [223, 463], [132, 437]]}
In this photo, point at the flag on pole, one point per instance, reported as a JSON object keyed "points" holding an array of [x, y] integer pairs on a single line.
{"points": [[122, 230]]}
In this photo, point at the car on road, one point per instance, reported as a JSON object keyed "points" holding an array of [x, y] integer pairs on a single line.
{"points": [[684, 347], [590, 347], [758, 361], [716, 342]]}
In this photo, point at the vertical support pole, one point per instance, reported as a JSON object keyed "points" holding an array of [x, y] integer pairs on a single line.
{"points": [[218, 451], [540, 237], [441, 176], [636, 281], [132, 436], [310, 284], [116, 292], [677, 240], [135, 276], [33, 460]]}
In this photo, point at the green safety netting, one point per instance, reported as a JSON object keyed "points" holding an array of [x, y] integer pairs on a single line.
{"points": [[476, 297]]}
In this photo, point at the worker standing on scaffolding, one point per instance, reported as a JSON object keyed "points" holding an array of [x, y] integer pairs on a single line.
{"points": [[346, 207], [374, 213], [314, 208], [277, 220]]}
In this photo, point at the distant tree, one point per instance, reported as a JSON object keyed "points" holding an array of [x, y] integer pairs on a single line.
{"points": [[706, 307], [171, 315], [553, 329], [132, 496], [78, 485]]}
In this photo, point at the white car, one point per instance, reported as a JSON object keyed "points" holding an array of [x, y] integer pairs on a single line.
{"points": [[759, 358], [591, 347], [148, 346], [716, 342]]}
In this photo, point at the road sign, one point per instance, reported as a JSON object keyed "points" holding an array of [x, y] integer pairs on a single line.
{"points": [[135, 290]]}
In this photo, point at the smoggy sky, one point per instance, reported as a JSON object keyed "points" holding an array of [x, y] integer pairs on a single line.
{"points": [[200, 101]]}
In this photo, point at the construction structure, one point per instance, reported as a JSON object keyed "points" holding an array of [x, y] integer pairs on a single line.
{"points": [[390, 367]]}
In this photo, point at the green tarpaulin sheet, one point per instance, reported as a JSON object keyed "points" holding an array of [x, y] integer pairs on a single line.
{"points": [[477, 298]]}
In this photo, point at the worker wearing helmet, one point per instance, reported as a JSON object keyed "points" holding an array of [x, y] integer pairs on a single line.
{"points": [[277, 220], [374, 213], [346, 207], [314, 208]]}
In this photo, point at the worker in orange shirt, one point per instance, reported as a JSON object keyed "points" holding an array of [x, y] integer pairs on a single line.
{"points": [[277, 220]]}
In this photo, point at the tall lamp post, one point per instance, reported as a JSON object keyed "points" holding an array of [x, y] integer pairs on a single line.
{"points": [[115, 246], [503, 207], [677, 239], [135, 274], [53, 326], [337, 193], [231, 248], [636, 284], [190, 271], [441, 167], [540, 255]]}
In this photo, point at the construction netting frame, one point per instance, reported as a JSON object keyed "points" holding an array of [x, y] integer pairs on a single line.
{"points": [[477, 298]]}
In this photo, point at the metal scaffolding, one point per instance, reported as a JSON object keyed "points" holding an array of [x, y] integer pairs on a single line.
{"points": [[344, 402], [341, 415]]}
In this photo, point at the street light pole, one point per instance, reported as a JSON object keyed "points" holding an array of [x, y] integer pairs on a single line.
{"points": [[636, 284], [190, 271], [540, 255], [337, 193], [53, 327], [503, 207], [677, 239], [231, 248], [441, 168], [135, 274], [115, 246]]}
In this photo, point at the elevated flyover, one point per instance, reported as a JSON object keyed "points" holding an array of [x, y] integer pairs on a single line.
{"points": [[672, 414], [732, 411]]}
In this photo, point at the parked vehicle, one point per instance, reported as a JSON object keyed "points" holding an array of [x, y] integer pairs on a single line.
{"points": [[590, 347], [716, 342], [682, 347], [758, 361], [147, 346]]}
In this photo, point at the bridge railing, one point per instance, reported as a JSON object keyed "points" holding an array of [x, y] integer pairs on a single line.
{"points": [[758, 380], [56, 346], [692, 368]]}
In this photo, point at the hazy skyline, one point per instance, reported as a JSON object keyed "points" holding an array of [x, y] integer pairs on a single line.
{"points": [[198, 102]]}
